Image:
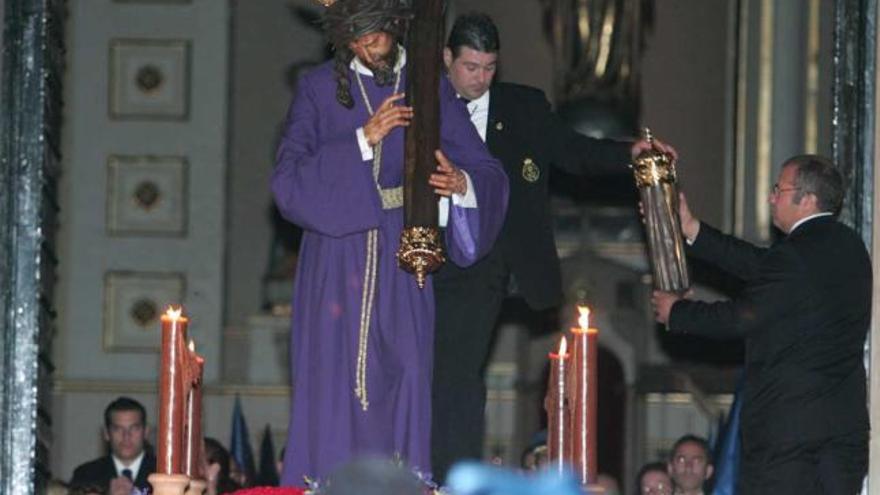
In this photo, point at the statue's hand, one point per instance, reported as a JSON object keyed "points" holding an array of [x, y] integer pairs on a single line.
{"points": [[387, 117]]}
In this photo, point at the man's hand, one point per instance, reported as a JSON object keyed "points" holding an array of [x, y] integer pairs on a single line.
{"points": [[690, 226], [121, 486], [663, 302], [448, 179], [642, 145], [387, 117]]}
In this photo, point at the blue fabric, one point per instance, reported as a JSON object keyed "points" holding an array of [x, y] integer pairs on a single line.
{"points": [[728, 455], [472, 478], [239, 442]]}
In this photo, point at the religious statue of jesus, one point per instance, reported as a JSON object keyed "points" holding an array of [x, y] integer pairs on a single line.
{"points": [[362, 330]]}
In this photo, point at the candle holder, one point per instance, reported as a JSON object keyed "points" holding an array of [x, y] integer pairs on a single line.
{"points": [[196, 487], [168, 484]]}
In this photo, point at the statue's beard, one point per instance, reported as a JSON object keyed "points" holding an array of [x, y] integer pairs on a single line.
{"points": [[383, 71]]}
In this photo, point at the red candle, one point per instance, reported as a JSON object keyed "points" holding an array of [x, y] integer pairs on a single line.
{"points": [[585, 386], [558, 413], [171, 393], [193, 457]]}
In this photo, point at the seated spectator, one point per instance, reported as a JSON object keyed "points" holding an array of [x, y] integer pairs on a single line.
{"points": [[653, 480], [690, 465], [534, 457], [129, 462], [218, 470], [608, 483]]}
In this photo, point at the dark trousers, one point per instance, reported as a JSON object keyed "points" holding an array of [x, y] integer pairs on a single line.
{"points": [[831, 466], [467, 306]]}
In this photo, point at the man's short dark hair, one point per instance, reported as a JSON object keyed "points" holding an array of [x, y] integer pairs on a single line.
{"points": [[123, 404], [691, 439], [474, 30], [817, 175]]}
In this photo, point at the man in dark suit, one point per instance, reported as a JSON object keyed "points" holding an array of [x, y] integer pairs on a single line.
{"points": [[520, 129], [804, 313], [129, 462]]}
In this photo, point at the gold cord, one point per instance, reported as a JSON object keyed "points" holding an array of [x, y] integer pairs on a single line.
{"points": [[370, 271]]}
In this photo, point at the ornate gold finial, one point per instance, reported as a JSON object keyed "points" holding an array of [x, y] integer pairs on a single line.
{"points": [[653, 166], [420, 252]]}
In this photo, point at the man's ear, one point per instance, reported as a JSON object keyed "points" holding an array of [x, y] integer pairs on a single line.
{"points": [[809, 201], [105, 434], [447, 57], [710, 470], [146, 431]]}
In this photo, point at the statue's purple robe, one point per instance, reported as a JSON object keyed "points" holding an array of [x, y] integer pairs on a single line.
{"points": [[322, 184]]}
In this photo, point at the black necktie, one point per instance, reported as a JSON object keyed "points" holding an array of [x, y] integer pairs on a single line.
{"points": [[127, 473]]}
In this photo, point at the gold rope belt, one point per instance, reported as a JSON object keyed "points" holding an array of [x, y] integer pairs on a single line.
{"points": [[391, 198]]}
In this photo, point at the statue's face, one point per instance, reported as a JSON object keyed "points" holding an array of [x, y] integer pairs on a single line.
{"points": [[471, 72], [378, 52], [374, 50]]}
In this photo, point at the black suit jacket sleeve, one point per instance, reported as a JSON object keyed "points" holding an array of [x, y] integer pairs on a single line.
{"points": [[735, 256], [576, 153], [774, 289]]}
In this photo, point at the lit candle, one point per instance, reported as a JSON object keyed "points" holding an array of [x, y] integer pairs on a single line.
{"points": [[171, 393], [585, 396], [558, 414], [193, 461]]}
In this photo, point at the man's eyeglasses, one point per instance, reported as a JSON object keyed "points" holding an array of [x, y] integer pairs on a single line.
{"points": [[777, 189]]}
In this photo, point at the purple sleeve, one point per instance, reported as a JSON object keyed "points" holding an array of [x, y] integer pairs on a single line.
{"points": [[471, 232], [320, 181]]}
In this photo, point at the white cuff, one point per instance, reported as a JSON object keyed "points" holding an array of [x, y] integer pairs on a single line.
{"points": [[364, 145], [469, 200]]}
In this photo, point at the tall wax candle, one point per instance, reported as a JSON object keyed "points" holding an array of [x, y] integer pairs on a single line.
{"points": [[585, 394], [171, 393], [558, 413], [193, 452]]}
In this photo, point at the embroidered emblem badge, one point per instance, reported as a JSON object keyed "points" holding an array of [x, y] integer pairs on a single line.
{"points": [[530, 171]]}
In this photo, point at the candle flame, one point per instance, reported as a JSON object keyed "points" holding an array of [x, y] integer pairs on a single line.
{"points": [[562, 346], [172, 313], [583, 317]]}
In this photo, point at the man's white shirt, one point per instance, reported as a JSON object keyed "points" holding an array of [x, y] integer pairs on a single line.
{"points": [[134, 467]]}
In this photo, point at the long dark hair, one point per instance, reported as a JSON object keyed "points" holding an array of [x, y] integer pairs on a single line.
{"points": [[347, 20]]}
